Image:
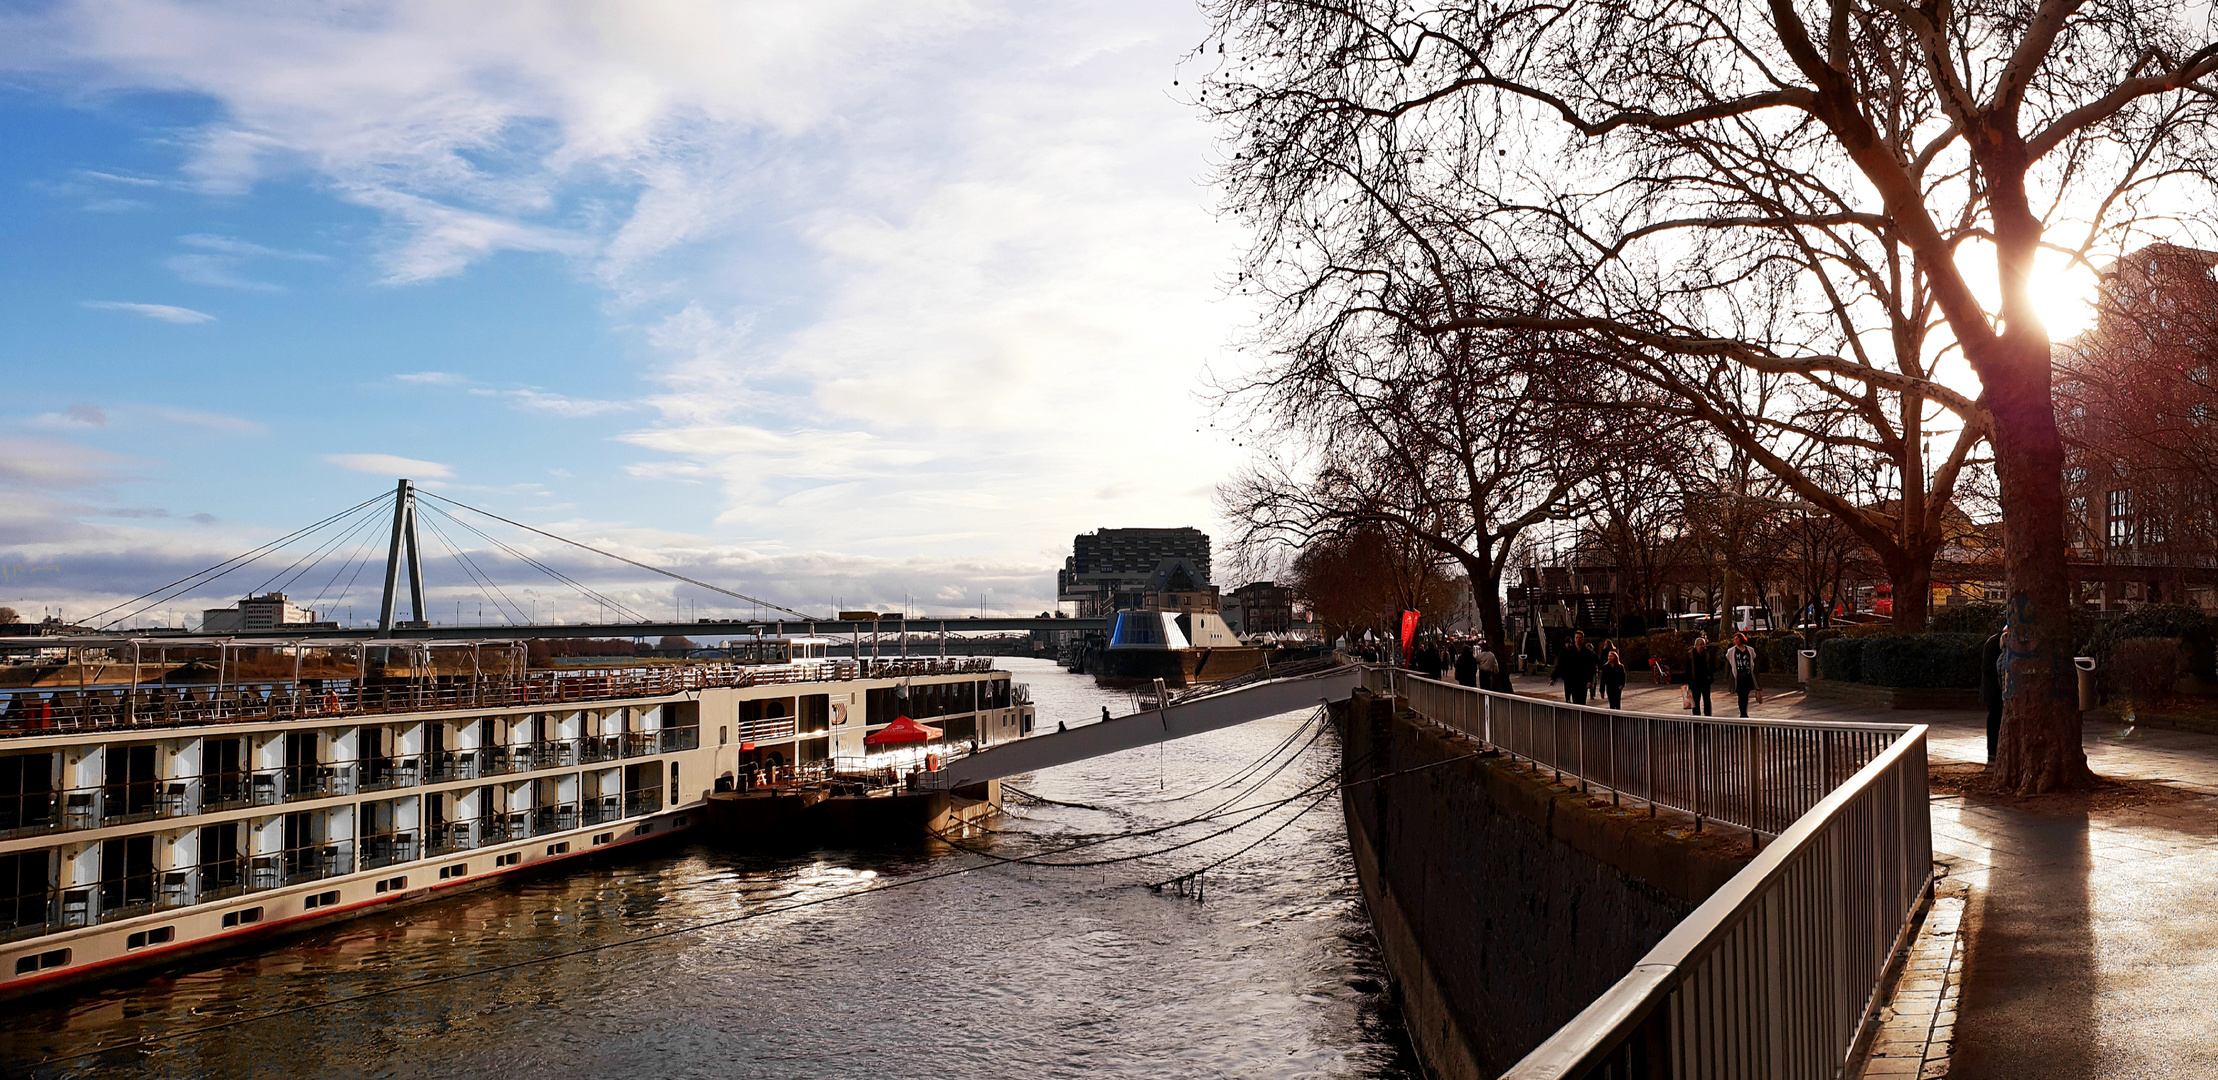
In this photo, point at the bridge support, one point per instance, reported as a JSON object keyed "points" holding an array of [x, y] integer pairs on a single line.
{"points": [[404, 536]]}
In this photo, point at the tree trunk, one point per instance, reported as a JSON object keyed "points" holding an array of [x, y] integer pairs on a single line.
{"points": [[1911, 578], [2040, 748]]}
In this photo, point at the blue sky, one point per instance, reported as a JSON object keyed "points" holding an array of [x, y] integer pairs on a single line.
{"points": [[839, 300]]}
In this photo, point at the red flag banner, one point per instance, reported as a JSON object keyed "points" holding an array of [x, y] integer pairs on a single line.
{"points": [[1409, 636]]}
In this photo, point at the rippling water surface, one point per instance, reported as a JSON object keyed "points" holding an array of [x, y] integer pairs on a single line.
{"points": [[1007, 971]]}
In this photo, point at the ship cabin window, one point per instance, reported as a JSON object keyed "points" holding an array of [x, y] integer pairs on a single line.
{"points": [[510, 859], [156, 936], [680, 823], [392, 884], [26, 792], [322, 899], [52, 958], [602, 838], [455, 871], [642, 829], [241, 917], [558, 849]]}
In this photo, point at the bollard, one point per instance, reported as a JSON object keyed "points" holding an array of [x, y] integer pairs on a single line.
{"points": [[2086, 666], [1805, 664]]}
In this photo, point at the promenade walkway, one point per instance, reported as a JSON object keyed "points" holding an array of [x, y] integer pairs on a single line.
{"points": [[2089, 937]]}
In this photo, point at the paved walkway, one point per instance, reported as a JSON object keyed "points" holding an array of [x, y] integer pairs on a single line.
{"points": [[2090, 940]]}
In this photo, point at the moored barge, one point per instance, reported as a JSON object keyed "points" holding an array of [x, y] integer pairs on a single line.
{"points": [[143, 821]]}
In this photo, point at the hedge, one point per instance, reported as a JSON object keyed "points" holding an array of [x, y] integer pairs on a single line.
{"points": [[1921, 660], [1981, 619], [2190, 625], [1841, 658]]}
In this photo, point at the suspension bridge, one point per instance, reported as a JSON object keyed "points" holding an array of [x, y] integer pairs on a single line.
{"points": [[339, 555]]}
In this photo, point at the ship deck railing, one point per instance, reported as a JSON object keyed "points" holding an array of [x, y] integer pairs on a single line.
{"points": [[50, 711]]}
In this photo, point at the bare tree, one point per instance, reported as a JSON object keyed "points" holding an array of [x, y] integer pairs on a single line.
{"points": [[2141, 411], [1721, 193], [1363, 577]]}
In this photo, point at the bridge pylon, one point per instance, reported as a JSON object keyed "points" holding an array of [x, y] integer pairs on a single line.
{"points": [[404, 537]]}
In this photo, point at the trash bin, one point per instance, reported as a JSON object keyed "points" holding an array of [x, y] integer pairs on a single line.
{"points": [[1805, 664], [2086, 666]]}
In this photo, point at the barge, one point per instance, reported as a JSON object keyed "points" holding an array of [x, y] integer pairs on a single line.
{"points": [[312, 781]]}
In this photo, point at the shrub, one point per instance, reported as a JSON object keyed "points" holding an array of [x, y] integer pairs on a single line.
{"points": [[1981, 619], [1841, 658], [1921, 660], [2190, 626], [1780, 651], [2144, 668]]}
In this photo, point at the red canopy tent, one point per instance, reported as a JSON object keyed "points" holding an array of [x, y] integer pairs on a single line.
{"points": [[902, 730]]}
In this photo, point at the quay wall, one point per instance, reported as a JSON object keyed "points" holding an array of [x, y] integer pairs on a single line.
{"points": [[1503, 904]]}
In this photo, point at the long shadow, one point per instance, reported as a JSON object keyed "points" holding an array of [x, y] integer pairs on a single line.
{"points": [[2030, 975]]}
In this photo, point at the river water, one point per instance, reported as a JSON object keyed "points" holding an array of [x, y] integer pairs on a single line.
{"points": [[1007, 970]]}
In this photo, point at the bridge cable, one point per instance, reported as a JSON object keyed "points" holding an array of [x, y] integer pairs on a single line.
{"points": [[316, 554], [240, 559], [582, 589], [486, 587], [632, 562]]}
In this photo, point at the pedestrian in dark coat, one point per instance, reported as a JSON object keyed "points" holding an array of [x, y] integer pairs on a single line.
{"points": [[1467, 666], [1576, 668], [1990, 689], [1429, 661], [1701, 674], [1613, 679]]}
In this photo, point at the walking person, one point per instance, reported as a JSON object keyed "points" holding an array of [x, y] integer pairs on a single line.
{"points": [[1990, 689], [1467, 666], [1740, 663], [1701, 673], [1613, 679], [1491, 674], [1576, 668]]}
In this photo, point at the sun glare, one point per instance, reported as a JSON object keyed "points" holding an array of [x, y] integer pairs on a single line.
{"points": [[2064, 291]]}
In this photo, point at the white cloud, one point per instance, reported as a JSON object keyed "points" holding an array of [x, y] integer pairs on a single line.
{"points": [[160, 312], [540, 401], [390, 465], [217, 421], [943, 263]]}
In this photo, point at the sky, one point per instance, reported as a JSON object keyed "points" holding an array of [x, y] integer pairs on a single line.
{"points": [[856, 302]]}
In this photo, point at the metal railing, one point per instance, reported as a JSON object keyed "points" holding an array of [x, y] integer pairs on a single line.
{"points": [[1778, 974], [47, 711], [1761, 775]]}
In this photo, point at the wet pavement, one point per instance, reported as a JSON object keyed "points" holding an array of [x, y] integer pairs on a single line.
{"points": [[2090, 940]]}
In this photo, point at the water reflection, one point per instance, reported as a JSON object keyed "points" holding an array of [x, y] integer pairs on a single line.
{"points": [[1009, 971]]}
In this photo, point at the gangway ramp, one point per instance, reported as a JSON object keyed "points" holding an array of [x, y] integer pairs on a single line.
{"points": [[1179, 719]]}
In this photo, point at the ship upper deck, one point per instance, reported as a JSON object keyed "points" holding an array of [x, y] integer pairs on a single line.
{"points": [[493, 677]]}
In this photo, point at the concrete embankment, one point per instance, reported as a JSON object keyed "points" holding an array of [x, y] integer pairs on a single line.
{"points": [[1504, 903]]}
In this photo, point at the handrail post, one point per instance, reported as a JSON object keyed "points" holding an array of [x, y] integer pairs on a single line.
{"points": [[1648, 725]]}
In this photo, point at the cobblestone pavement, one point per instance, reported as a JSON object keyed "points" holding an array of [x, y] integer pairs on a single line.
{"points": [[2089, 940]]}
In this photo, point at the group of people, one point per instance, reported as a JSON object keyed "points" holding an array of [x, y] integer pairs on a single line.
{"points": [[1470, 663], [1581, 666]]}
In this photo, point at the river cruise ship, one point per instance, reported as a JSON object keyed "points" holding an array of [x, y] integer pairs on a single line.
{"points": [[172, 797]]}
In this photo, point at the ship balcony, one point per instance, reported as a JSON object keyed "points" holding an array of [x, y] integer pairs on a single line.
{"points": [[384, 774], [600, 811], [561, 817], [383, 849], [644, 801]]}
